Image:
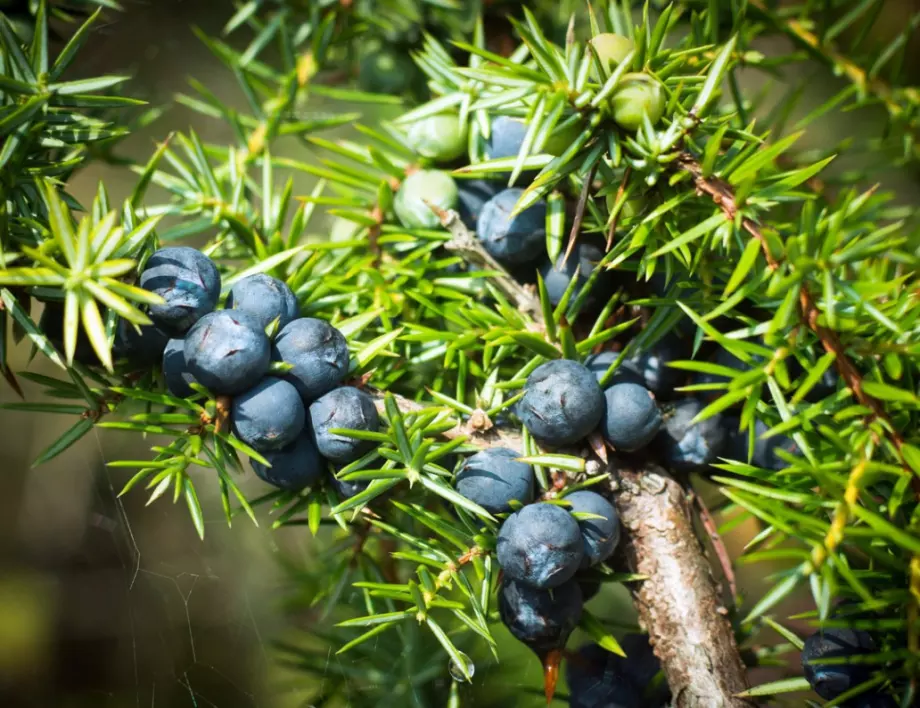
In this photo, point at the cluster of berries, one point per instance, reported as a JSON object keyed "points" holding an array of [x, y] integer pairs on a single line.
{"points": [[563, 404], [485, 205], [517, 241], [287, 413], [543, 546]]}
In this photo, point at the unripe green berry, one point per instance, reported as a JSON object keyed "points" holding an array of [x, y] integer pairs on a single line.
{"points": [[631, 208], [611, 49], [440, 138], [343, 230], [636, 96], [561, 139], [385, 71], [436, 187]]}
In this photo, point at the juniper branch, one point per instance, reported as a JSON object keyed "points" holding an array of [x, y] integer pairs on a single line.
{"points": [[679, 601], [722, 195]]}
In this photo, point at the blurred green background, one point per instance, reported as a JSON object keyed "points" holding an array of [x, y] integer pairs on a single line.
{"points": [[109, 603]]}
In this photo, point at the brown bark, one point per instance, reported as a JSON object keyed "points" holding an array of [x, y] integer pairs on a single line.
{"points": [[679, 603]]}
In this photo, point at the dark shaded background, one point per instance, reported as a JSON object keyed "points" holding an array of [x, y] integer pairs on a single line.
{"points": [[109, 603]]}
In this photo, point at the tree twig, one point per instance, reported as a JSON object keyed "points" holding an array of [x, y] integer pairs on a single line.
{"points": [[679, 603], [709, 523], [580, 212], [467, 245], [722, 195]]}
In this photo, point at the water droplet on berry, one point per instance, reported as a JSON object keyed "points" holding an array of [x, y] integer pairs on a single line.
{"points": [[456, 671]]}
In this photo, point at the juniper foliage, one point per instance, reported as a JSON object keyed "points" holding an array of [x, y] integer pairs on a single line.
{"points": [[716, 222]]}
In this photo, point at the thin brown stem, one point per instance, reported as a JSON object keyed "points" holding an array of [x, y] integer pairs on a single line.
{"points": [[467, 245], [579, 213], [712, 530]]}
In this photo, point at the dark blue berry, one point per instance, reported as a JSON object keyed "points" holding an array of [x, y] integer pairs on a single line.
{"points": [[541, 619], [51, 323], [345, 408], [266, 298], [189, 283], [686, 447], [512, 239], [293, 467], [144, 347], [599, 363], [765, 450], [175, 370], [826, 386], [642, 667], [584, 258], [227, 351], [472, 195], [601, 536], [494, 478], [541, 545], [562, 402], [830, 680], [631, 417], [506, 138], [589, 587], [347, 489], [596, 677], [726, 359], [595, 680], [629, 371], [650, 368], [318, 353], [268, 416]]}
